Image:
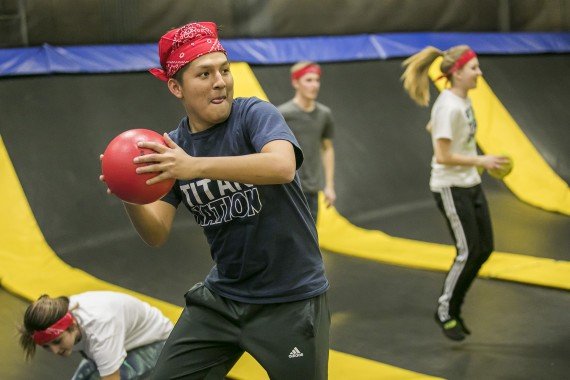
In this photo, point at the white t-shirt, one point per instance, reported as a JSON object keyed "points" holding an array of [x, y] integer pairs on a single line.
{"points": [[452, 118], [113, 323]]}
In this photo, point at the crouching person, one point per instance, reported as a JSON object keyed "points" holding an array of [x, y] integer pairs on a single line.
{"points": [[119, 336]]}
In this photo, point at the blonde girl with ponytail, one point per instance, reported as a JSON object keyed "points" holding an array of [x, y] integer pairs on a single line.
{"points": [[455, 181]]}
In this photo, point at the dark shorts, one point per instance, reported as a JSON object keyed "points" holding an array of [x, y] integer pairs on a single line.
{"points": [[290, 340]]}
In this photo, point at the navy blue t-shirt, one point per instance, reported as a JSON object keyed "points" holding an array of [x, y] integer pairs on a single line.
{"points": [[262, 237]]}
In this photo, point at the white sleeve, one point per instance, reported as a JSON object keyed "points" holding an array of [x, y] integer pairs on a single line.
{"points": [[108, 350], [442, 121]]}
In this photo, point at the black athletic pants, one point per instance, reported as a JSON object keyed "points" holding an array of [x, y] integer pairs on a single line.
{"points": [[468, 219], [290, 340]]}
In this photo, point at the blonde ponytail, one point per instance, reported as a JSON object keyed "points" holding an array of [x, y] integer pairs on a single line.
{"points": [[415, 76]]}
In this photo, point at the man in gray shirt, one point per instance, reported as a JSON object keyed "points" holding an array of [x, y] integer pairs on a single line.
{"points": [[313, 126]]}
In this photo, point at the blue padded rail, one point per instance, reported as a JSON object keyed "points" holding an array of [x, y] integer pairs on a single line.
{"points": [[47, 59]]}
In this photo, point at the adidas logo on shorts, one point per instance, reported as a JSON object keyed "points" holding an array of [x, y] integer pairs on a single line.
{"points": [[295, 353]]}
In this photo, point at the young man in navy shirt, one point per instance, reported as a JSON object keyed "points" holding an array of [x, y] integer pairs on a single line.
{"points": [[235, 161]]}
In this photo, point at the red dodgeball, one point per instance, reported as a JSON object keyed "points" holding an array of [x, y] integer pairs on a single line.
{"points": [[120, 171]]}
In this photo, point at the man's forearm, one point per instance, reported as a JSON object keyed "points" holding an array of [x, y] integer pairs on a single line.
{"points": [[328, 164], [257, 168]]}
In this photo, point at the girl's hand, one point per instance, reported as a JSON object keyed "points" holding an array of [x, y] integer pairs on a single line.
{"points": [[491, 162]]}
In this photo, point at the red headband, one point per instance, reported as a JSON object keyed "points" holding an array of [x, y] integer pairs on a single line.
{"points": [[181, 46], [45, 336], [312, 68], [461, 61]]}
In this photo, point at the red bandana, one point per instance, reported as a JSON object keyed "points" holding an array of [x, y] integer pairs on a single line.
{"points": [[45, 336], [181, 46], [467, 56], [312, 68]]}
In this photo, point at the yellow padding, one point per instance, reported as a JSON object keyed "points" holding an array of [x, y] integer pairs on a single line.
{"points": [[532, 179], [29, 267], [245, 82], [337, 234]]}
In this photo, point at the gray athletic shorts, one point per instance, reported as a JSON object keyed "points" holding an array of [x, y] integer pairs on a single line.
{"points": [[290, 340]]}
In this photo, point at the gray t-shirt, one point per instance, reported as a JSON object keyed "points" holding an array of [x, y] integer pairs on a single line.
{"points": [[310, 128]]}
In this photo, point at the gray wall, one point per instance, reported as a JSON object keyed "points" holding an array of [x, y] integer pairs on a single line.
{"points": [[65, 22]]}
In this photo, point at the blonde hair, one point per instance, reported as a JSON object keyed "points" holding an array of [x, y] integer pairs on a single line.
{"points": [[302, 65], [40, 315], [415, 76]]}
